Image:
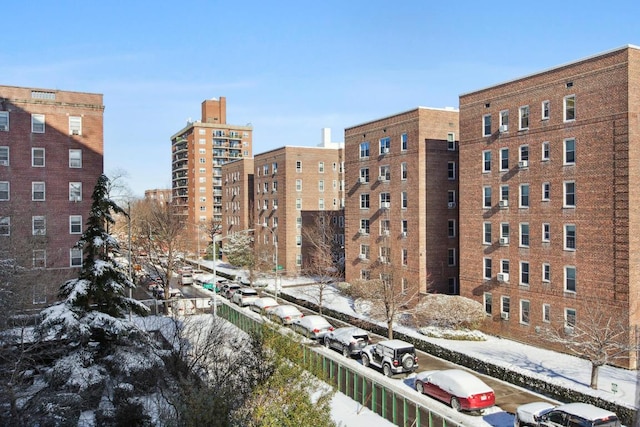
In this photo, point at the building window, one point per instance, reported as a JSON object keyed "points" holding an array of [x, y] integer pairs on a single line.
{"points": [[321, 186], [298, 240], [451, 197], [4, 191], [569, 194], [546, 191], [524, 195], [546, 232], [5, 226], [404, 225], [487, 268], [504, 266], [364, 226], [404, 142], [504, 159], [385, 200], [75, 191], [505, 306], [405, 200], [504, 120], [298, 166], [364, 175], [4, 156], [488, 303], [298, 185], [546, 313], [486, 125], [486, 197], [37, 123], [545, 110], [486, 161], [570, 279], [451, 170], [569, 318], [298, 260], [385, 254], [524, 235], [37, 157], [403, 171], [321, 204], [75, 257], [524, 273], [364, 150], [524, 155], [364, 252], [38, 226], [384, 173], [570, 151], [405, 256], [365, 274], [504, 231], [451, 257], [569, 237], [451, 228], [569, 108], [4, 121], [385, 145], [525, 308], [320, 167], [546, 272], [299, 222], [524, 117], [298, 204], [504, 193], [451, 141], [545, 151], [486, 233], [75, 224], [38, 191], [364, 201], [39, 258], [453, 286]]}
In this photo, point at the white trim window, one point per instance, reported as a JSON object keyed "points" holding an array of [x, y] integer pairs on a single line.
{"points": [[504, 159], [486, 268], [486, 125], [75, 191], [364, 150], [5, 226], [569, 108], [75, 158], [486, 197], [4, 191], [546, 191], [546, 147], [451, 170], [405, 199], [385, 145], [298, 185], [546, 232], [569, 199], [4, 121], [546, 313], [451, 141], [321, 185], [364, 175], [37, 157], [75, 257], [364, 201], [38, 192], [524, 234], [320, 167], [486, 161], [524, 117], [505, 305], [570, 318], [486, 233], [546, 110], [404, 171], [504, 120], [546, 272], [525, 311], [569, 157], [38, 225], [488, 302], [4, 155], [569, 237], [404, 142], [524, 273], [75, 125], [451, 257], [570, 278], [75, 224], [39, 257], [37, 123], [524, 195]]}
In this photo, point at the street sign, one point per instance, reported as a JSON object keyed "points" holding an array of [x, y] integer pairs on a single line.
{"points": [[279, 268]]}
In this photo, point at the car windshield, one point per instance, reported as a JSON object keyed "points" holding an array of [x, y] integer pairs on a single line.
{"points": [[402, 351], [363, 337]]}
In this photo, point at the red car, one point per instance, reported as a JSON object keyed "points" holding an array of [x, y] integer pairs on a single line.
{"points": [[460, 389]]}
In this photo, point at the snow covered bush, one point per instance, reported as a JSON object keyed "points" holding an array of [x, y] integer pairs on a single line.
{"points": [[448, 311]]}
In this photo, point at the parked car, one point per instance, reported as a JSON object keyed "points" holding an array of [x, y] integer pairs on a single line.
{"points": [[244, 296], [228, 289], [463, 390], [260, 305], [314, 327], [186, 279], [350, 340], [284, 314], [392, 356], [173, 293], [538, 414]]}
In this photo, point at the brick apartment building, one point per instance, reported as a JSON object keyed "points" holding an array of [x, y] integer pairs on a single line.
{"points": [[401, 189], [288, 181], [198, 152], [160, 195], [549, 218], [237, 196], [51, 155]]}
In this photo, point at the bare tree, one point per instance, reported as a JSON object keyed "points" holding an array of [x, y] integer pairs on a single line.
{"points": [[323, 257], [387, 299], [595, 334]]}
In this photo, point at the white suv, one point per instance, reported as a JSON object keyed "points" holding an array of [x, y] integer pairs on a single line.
{"points": [[244, 296], [392, 356]]}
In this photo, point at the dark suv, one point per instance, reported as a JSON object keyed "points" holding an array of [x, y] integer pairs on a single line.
{"points": [[392, 356]]}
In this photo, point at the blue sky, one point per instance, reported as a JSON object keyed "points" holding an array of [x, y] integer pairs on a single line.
{"points": [[290, 68]]}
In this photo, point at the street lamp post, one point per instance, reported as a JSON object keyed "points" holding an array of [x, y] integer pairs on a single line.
{"points": [[275, 244]]}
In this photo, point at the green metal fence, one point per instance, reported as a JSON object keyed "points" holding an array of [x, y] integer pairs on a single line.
{"points": [[394, 407]]}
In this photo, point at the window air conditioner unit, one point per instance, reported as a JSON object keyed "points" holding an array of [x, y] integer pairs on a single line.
{"points": [[504, 316], [264, 224], [385, 150], [275, 208], [385, 232], [381, 259], [504, 241], [503, 128], [381, 178], [452, 205], [386, 205], [503, 277], [362, 256], [75, 132], [362, 231], [404, 234], [523, 164], [4, 163], [362, 180], [4, 128], [504, 203]]}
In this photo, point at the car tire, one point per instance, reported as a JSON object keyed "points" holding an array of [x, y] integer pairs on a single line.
{"points": [[419, 387], [365, 360], [455, 404], [327, 343], [386, 370], [345, 351], [408, 362]]}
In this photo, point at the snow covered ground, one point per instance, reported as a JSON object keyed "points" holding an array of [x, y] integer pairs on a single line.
{"points": [[615, 384]]}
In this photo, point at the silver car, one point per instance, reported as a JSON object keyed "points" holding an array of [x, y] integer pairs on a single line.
{"points": [[284, 314], [314, 327], [349, 340]]}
